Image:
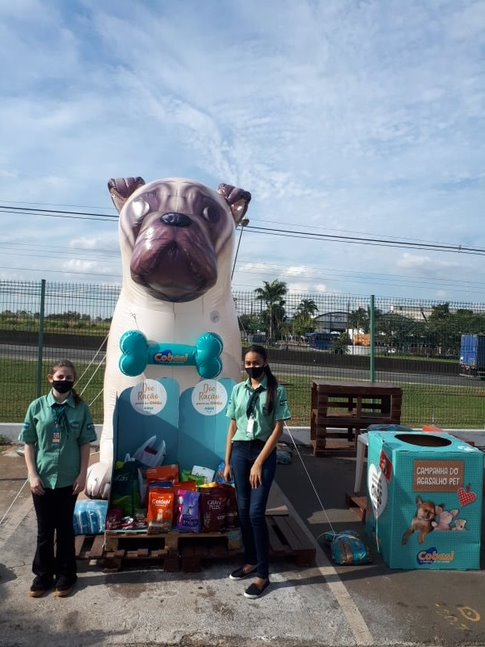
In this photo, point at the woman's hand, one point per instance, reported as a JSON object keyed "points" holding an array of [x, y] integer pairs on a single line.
{"points": [[227, 473], [36, 485], [256, 475], [79, 484]]}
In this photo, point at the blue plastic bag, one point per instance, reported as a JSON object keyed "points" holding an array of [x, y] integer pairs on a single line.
{"points": [[90, 517], [347, 548]]}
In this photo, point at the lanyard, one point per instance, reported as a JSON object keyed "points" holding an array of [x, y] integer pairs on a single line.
{"points": [[59, 414]]}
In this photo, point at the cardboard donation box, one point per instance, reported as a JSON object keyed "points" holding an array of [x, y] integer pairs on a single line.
{"points": [[425, 500]]}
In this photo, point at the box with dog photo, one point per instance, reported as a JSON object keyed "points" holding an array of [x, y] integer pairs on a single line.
{"points": [[425, 500]]}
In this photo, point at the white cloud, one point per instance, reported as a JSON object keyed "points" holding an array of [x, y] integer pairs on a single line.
{"points": [[366, 119]]}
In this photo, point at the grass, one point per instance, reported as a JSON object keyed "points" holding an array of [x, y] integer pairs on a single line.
{"points": [[447, 406]]}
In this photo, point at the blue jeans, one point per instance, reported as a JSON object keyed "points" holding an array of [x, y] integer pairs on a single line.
{"points": [[251, 502]]}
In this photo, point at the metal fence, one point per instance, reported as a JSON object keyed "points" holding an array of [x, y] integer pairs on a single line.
{"points": [[318, 337]]}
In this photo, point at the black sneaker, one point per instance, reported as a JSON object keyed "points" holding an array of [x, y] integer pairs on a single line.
{"points": [[40, 586], [64, 586], [255, 591], [240, 573]]}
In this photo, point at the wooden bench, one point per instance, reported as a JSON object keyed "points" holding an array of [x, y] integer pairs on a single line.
{"points": [[353, 407]]}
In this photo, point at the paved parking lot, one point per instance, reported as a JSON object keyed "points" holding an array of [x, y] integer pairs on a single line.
{"points": [[322, 605]]}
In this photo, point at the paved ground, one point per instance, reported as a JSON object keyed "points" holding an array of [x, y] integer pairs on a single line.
{"points": [[324, 605]]}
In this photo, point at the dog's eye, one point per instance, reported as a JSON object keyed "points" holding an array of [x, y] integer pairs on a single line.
{"points": [[211, 214], [139, 208]]}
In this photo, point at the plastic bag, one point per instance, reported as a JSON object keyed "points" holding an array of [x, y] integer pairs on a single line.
{"points": [[90, 517], [347, 548]]}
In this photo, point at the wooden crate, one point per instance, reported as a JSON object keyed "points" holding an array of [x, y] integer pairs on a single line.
{"points": [[350, 407]]}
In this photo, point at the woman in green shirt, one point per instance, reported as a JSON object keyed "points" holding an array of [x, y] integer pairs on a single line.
{"points": [[57, 433], [257, 409]]}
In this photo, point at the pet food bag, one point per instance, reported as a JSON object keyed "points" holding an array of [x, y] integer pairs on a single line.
{"points": [[347, 548], [160, 510], [188, 517], [125, 488], [425, 500], [213, 508]]}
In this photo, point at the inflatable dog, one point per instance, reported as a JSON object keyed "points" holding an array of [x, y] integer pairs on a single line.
{"points": [[177, 241]]}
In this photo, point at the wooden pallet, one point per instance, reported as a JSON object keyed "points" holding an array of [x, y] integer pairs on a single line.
{"points": [[89, 547], [357, 504], [175, 551], [288, 540]]}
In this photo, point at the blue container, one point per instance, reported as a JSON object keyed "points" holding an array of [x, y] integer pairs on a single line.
{"points": [[425, 500]]}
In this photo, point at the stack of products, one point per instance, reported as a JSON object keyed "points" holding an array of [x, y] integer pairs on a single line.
{"points": [[160, 499]]}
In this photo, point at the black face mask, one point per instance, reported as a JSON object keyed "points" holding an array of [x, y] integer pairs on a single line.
{"points": [[62, 386], [255, 371]]}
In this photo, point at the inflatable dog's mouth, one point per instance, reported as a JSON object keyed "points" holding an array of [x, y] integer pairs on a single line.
{"points": [[172, 264]]}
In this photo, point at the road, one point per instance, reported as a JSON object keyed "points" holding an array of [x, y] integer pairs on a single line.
{"points": [[11, 351]]}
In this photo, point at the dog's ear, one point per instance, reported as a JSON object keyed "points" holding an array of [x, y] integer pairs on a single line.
{"points": [[121, 188], [237, 199]]}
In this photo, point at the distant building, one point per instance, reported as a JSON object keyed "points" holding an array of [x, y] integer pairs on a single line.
{"points": [[337, 321], [418, 313]]}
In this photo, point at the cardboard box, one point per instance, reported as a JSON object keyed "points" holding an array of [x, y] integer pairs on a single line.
{"points": [[425, 500]]}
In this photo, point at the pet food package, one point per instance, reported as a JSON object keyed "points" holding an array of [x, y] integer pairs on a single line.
{"points": [[425, 495], [90, 517], [160, 510], [213, 508], [206, 472], [188, 517], [125, 488], [195, 478], [219, 475], [163, 473], [347, 548]]}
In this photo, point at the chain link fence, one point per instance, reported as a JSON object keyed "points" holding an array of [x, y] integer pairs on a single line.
{"points": [[318, 337]]}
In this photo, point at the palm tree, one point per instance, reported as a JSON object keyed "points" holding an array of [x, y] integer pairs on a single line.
{"points": [[303, 320], [272, 295], [306, 309]]}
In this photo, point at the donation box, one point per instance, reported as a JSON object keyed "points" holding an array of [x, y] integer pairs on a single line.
{"points": [[425, 500]]}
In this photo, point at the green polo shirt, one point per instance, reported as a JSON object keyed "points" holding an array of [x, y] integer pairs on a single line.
{"points": [[264, 424], [58, 456]]}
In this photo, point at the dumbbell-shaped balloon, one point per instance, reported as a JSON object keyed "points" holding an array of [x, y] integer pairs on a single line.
{"points": [[137, 353]]}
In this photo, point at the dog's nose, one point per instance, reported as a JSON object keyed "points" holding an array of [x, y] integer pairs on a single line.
{"points": [[176, 219]]}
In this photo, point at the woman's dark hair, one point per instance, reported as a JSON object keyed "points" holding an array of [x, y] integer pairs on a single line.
{"points": [[66, 363], [272, 381]]}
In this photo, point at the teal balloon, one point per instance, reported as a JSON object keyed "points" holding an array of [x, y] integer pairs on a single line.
{"points": [[133, 342]]}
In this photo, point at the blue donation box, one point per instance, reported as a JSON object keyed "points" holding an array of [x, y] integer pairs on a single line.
{"points": [[425, 500]]}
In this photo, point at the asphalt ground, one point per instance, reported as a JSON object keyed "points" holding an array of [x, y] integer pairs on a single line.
{"points": [[318, 606]]}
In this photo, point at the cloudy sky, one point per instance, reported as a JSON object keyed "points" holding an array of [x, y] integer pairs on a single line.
{"points": [[357, 125]]}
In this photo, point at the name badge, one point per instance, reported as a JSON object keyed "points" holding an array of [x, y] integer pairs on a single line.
{"points": [[56, 436], [250, 428]]}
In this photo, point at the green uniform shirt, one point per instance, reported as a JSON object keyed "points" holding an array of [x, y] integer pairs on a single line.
{"points": [[58, 434], [264, 424]]}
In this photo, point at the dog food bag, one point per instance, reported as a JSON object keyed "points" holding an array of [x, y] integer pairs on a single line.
{"points": [[125, 489], [213, 506], [188, 518], [347, 548], [114, 518], [206, 472], [160, 510], [219, 477], [163, 473], [188, 476]]}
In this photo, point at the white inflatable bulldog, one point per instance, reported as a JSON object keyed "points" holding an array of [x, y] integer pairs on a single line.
{"points": [[177, 240]]}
